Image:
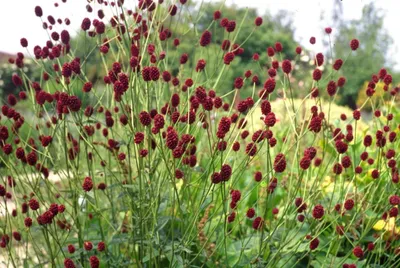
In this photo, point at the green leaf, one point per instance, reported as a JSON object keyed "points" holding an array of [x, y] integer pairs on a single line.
{"points": [[161, 223], [147, 257], [130, 186], [321, 260]]}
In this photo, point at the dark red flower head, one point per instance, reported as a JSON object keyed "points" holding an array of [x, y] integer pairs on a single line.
{"points": [[217, 15], [34, 204], [358, 252], [341, 81], [318, 212], [65, 38], [310, 152], [258, 223], [251, 149], [236, 195], [172, 10], [258, 176], [394, 200], [68, 263], [286, 66], [38, 11], [280, 163], [349, 204], [238, 82], [317, 74], [154, 73], [315, 124], [226, 172], [341, 147], [87, 184], [331, 88], [216, 178], [270, 119], [270, 51], [94, 262], [66, 70], [31, 158], [205, 38], [337, 169], [24, 42], [85, 25], [12, 100], [144, 118], [250, 213], [314, 243], [17, 81], [172, 139], [338, 64], [224, 22], [232, 216], [371, 246], [258, 21], [74, 103], [230, 27], [305, 163], [346, 161], [357, 114], [278, 47], [223, 127], [319, 58], [269, 85], [201, 64], [228, 57], [17, 236], [354, 44]]}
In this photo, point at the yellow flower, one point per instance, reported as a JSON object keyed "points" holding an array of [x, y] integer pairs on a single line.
{"points": [[389, 226], [379, 225], [366, 178], [327, 185]]}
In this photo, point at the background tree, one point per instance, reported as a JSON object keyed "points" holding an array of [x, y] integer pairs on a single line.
{"points": [[275, 28], [372, 54]]}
